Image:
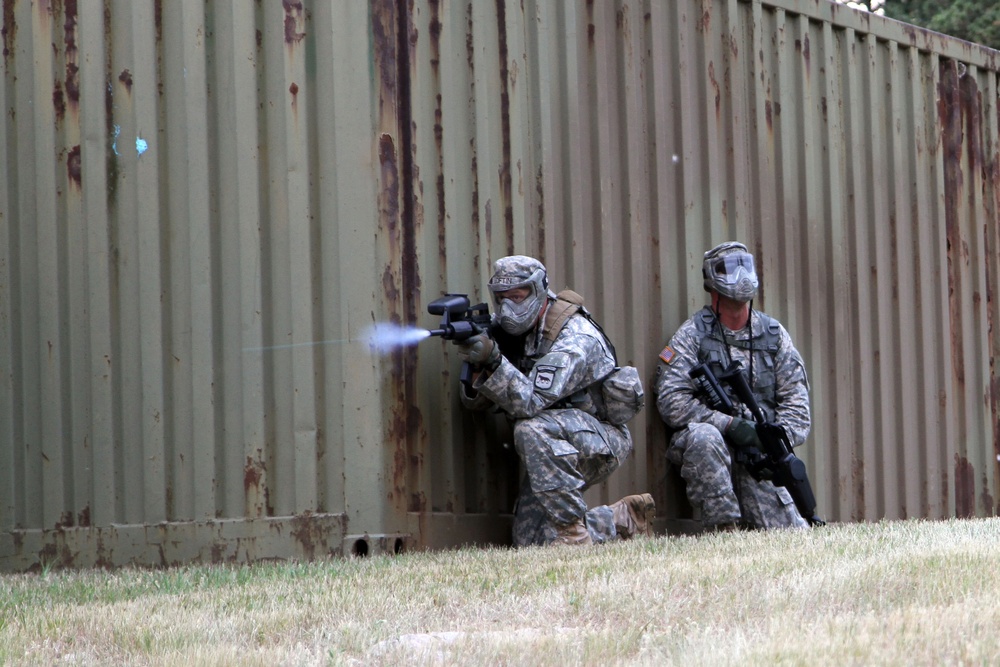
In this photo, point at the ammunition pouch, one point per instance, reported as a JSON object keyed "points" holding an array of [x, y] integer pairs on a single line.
{"points": [[623, 394], [619, 396]]}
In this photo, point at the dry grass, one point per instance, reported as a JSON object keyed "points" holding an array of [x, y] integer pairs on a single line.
{"points": [[902, 593]]}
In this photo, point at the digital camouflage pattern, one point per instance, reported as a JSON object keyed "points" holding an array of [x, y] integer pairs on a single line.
{"points": [[564, 450], [723, 490]]}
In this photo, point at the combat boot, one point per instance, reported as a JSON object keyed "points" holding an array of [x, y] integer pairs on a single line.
{"points": [[574, 534], [634, 516]]}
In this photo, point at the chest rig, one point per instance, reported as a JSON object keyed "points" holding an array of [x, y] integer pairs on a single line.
{"points": [[566, 304], [763, 345]]}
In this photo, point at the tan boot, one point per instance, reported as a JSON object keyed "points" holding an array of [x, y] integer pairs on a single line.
{"points": [[634, 516], [573, 534]]}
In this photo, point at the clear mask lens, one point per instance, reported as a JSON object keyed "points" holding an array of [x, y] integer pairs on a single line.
{"points": [[730, 266]]}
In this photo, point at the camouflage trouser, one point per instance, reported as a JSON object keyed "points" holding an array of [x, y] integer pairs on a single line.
{"points": [[725, 492], [563, 453]]}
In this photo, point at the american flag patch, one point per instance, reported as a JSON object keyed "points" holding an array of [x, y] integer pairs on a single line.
{"points": [[668, 354]]}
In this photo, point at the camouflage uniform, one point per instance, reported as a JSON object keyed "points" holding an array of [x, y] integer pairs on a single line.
{"points": [[564, 446], [722, 489]]}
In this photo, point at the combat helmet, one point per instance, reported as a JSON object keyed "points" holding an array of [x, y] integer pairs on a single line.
{"points": [[513, 272]]}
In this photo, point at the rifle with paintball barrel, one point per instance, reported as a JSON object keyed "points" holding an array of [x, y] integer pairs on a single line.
{"points": [[777, 462], [459, 321]]}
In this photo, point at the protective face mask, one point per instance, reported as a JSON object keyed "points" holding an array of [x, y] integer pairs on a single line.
{"points": [[735, 276], [517, 318]]}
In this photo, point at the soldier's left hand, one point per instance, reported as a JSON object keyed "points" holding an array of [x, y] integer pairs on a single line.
{"points": [[479, 351], [743, 433]]}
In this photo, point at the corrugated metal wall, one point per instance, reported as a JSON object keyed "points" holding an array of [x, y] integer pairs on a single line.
{"points": [[206, 204]]}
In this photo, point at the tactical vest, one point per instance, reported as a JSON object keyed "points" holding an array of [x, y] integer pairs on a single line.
{"points": [[616, 398], [712, 349], [566, 304]]}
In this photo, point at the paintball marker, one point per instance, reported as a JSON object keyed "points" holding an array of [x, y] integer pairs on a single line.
{"points": [[778, 463], [459, 322]]}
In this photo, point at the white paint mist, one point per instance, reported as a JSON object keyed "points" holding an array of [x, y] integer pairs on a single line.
{"points": [[386, 337]]}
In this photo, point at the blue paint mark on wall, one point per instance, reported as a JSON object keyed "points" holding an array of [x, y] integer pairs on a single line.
{"points": [[140, 145]]}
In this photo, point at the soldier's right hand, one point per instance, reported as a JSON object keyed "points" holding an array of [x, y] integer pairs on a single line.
{"points": [[743, 434], [479, 351]]}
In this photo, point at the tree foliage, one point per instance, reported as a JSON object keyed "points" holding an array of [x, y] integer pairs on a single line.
{"points": [[972, 20]]}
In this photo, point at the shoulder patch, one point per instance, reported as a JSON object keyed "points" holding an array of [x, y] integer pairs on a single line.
{"points": [[544, 376], [667, 355]]}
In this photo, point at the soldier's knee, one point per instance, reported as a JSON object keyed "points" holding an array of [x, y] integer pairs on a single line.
{"points": [[526, 429], [529, 432], [702, 433]]}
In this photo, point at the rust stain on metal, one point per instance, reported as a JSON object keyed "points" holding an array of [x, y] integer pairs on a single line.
{"points": [[802, 46], [986, 503], [389, 204], [439, 184], [705, 21], [715, 87], [504, 171], [434, 26], [540, 191], [389, 213], [312, 535], [74, 166], [126, 79], [72, 82], [965, 488], [294, 21], [58, 101], [952, 142], [418, 501], [858, 484], [384, 46], [294, 92], [9, 30], [590, 23], [83, 517], [407, 472], [158, 19], [993, 400], [253, 473]]}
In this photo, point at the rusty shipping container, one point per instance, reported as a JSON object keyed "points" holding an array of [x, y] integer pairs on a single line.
{"points": [[207, 204]]}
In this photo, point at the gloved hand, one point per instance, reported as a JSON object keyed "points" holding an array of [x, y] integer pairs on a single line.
{"points": [[479, 351], [743, 434]]}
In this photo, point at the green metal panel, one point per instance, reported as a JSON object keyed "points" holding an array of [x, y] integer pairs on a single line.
{"points": [[206, 205]]}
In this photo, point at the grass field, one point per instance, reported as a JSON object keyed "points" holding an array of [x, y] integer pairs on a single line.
{"points": [[891, 593]]}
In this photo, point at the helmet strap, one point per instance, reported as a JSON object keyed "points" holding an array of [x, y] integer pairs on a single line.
{"points": [[725, 339]]}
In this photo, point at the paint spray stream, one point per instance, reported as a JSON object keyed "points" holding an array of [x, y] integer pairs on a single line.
{"points": [[382, 338], [385, 337], [292, 346]]}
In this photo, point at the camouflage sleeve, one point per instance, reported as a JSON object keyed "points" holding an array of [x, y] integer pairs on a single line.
{"points": [[792, 391], [578, 358], [675, 391], [473, 400]]}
